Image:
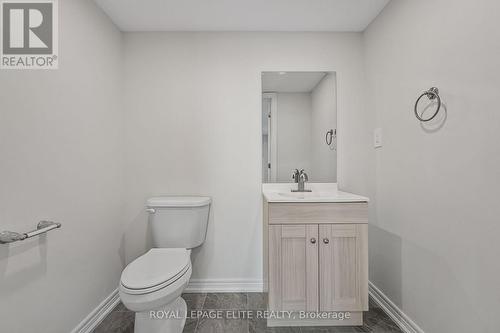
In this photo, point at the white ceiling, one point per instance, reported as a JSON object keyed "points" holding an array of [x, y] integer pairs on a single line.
{"points": [[290, 81], [242, 15]]}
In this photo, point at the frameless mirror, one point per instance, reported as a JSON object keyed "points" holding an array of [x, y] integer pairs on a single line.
{"points": [[299, 126]]}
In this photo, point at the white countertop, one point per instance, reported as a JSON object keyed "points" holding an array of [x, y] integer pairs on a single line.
{"points": [[321, 192]]}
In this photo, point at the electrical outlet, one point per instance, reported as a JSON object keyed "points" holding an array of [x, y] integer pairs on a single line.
{"points": [[377, 138]]}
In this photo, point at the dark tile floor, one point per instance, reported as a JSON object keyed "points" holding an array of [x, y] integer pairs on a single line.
{"points": [[121, 320]]}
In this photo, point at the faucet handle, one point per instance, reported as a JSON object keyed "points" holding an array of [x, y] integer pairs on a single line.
{"points": [[303, 176]]}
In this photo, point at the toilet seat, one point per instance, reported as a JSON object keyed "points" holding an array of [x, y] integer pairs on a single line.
{"points": [[155, 270]]}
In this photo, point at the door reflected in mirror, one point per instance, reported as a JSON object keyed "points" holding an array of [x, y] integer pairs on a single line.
{"points": [[299, 126]]}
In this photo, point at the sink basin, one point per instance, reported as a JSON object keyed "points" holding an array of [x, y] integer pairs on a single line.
{"points": [[321, 192], [305, 195]]}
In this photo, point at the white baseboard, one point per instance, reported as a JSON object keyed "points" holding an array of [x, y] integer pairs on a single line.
{"points": [[97, 315], [396, 314], [223, 285]]}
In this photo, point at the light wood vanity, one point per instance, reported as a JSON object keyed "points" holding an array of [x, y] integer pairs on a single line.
{"points": [[316, 259]]}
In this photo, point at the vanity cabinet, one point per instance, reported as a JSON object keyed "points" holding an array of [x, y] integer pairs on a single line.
{"points": [[316, 259]]}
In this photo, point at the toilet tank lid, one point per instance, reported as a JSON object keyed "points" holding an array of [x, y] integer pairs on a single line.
{"points": [[179, 201]]}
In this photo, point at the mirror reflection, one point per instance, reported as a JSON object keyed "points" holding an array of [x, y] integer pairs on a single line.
{"points": [[299, 126]]}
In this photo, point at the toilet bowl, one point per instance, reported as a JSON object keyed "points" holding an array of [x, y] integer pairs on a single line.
{"points": [[152, 284]]}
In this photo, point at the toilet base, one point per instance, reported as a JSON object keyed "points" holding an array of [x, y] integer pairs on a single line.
{"points": [[159, 320]]}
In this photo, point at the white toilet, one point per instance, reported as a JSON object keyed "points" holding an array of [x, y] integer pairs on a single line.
{"points": [[155, 281]]}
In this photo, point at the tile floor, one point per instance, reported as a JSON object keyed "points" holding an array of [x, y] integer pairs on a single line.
{"points": [[121, 320]]}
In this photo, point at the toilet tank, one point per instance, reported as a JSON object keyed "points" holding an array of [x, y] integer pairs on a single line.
{"points": [[178, 221]]}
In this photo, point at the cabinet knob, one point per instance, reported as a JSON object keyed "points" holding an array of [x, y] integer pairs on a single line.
{"points": [[313, 240], [326, 240]]}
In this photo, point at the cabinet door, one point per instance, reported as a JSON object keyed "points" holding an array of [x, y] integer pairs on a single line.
{"points": [[343, 267], [293, 267]]}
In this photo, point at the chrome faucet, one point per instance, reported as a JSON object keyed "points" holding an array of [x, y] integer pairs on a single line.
{"points": [[300, 177]]}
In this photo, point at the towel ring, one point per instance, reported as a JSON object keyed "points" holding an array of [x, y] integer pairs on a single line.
{"points": [[431, 94], [331, 138]]}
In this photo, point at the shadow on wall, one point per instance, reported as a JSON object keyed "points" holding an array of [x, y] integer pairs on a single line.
{"points": [[437, 122], [24, 251], [137, 238], [426, 269], [385, 248], [430, 269]]}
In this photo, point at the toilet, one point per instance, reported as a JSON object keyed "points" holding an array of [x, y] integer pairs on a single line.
{"points": [[152, 284]]}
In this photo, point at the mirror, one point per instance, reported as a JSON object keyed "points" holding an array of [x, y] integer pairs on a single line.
{"points": [[299, 126]]}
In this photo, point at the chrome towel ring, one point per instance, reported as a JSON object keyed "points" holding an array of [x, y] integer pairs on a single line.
{"points": [[431, 94], [330, 137]]}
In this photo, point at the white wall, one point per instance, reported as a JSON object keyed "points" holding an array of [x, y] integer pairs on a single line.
{"points": [[324, 118], [434, 245], [294, 134], [61, 159], [193, 125]]}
